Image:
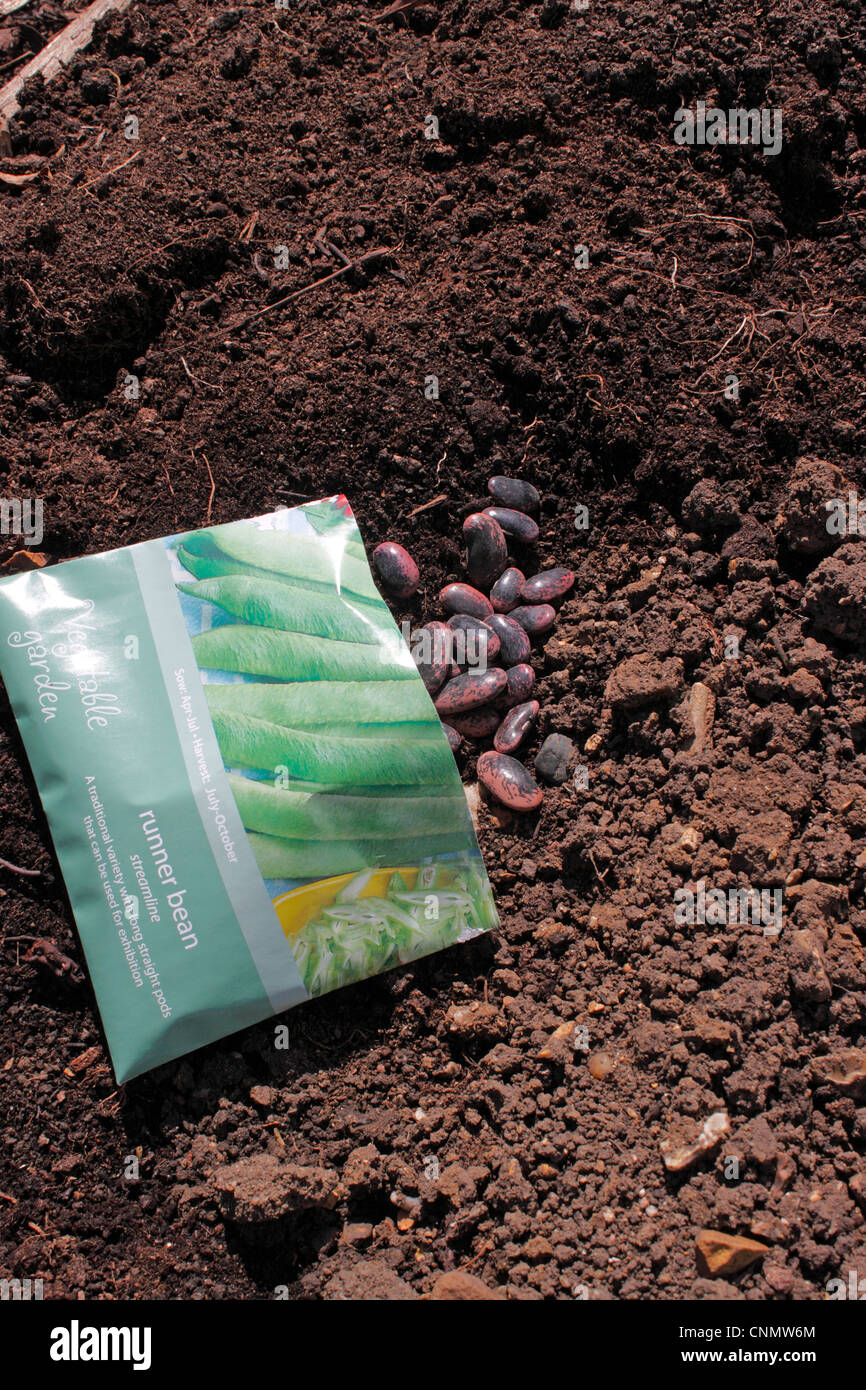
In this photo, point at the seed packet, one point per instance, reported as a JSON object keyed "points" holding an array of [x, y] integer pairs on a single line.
{"points": [[251, 796]]}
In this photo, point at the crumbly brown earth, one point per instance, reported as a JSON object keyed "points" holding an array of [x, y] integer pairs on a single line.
{"points": [[528, 1114]]}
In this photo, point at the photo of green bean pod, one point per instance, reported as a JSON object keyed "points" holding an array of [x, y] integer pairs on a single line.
{"points": [[294, 859], [292, 609], [329, 521], [321, 757], [295, 656], [199, 554], [298, 815], [301, 557], [366, 704]]}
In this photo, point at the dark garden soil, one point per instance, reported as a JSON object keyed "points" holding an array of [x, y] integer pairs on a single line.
{"points": [[456, 1116]]}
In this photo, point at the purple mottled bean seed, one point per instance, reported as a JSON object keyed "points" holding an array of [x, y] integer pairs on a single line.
{"points": [[513, 639], [395, 569], [546, 586], [537, 618], [505, 593], [508, 780], [521, 682], [479, 643], [478, 723], [454, 738], [513, 492], [471, 691], [487, 548], [431, 652], [515, 726], [514, 523], [462, 598]]}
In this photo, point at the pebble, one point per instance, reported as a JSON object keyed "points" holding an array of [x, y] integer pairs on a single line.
{"points": [[481, 641], [455, 739], [600, 1065], [547, 585], [478, 723], [462, 598], [470, 691], [487, 548], [552, 758], [521, 682], [514, 523], [515, 726], [719, 1253], [509, 782], [396, 569], [505, 593], [513, 639], [536, 618], [686, 1140], [513, 492]]}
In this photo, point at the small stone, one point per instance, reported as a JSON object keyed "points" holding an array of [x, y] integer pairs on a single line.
{"points": [[702, 710], [552, 759], [468, 1022], [559, 1046], [686, 1141], [356, 1233], [263, 1095], [846, 1070], [809, 979], [720, 1254], [600, 1065]]}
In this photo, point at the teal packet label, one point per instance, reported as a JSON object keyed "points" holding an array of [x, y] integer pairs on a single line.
{"points": [[249, 791]]}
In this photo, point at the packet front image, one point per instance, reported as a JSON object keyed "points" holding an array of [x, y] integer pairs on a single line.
{"points": [[250, 793]]}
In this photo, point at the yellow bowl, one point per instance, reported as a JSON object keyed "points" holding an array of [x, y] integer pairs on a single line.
{"points": [[300, 905]]}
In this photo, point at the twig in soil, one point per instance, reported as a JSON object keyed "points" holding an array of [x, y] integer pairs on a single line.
{"points": [[199, 381], [55, 55], [212, 485], [212, 489], [4, 1197], [306, 289], [599, 876], [248, 228], [107, 172], [425, 506], [28, 873]]}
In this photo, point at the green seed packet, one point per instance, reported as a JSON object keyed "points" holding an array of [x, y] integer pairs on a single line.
{"points": [[249, 790]]}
